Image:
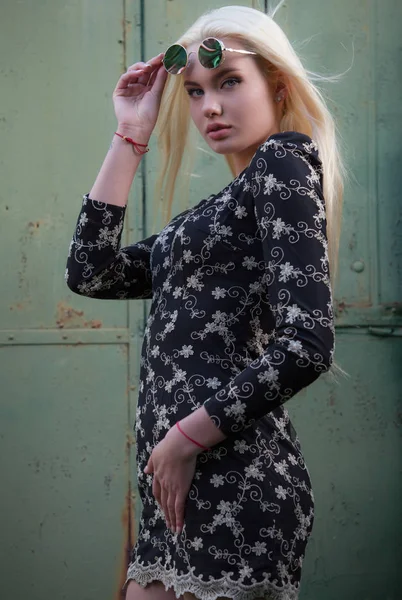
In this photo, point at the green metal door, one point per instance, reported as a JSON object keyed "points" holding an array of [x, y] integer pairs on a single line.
{"points": [[69, 365]]}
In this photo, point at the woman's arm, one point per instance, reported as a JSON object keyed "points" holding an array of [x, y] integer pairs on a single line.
{"points": [[121, 163], [96, 265], [290, 213]]}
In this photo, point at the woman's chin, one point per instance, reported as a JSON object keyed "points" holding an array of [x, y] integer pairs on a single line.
{"points": [[225, 146]]}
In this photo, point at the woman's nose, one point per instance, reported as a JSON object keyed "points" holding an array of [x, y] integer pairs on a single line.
{"points": [[211, 107]]}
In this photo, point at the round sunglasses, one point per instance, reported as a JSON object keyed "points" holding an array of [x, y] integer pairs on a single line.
{"points": [[210, 55]]}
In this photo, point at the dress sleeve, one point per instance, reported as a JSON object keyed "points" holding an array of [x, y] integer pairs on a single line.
{"points": [[96, 266], [285, 182]]}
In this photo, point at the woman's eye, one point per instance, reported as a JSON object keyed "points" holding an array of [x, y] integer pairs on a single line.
{"points": [[195, 92], [231, 82]]}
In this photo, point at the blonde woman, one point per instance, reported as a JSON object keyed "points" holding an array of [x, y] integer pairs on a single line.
{"points": [[241, 315]]}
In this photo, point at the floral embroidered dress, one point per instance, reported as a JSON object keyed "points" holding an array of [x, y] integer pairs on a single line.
{"points": [[240, 320]]}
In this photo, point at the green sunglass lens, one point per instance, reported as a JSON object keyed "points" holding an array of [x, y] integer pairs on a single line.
{"points": [[210, 53], [175, 59]]}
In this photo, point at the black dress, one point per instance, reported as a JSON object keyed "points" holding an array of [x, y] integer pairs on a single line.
{"points": [[241, 319]]}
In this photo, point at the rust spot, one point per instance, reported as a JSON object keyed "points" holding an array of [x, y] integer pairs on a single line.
{"points": [[33, 226], [127, 519], [107, 480], [70, 318], [130, 441], [22, 271], [128, 522], [341, 306], [19, 305], [94, 324], [129, 26]]}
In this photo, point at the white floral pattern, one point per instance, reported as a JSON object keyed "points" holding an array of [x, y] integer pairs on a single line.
{"points": [[240, 321]]}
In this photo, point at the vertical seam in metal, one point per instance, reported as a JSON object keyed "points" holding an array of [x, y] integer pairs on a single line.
{"points": [[144, 160], [377, 280], [373, 224], [124, 37], [266, 7], [130, 342], [128, 500]]}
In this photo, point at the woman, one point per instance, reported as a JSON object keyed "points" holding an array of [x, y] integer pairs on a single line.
{"points": [[241, 315]]}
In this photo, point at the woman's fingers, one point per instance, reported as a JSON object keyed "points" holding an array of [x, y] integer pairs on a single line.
{"points": [[144, 74], [128, 79], [160, 79], [151, 64], [171, 510], [179, 510], [156, 490], [164, 498]]}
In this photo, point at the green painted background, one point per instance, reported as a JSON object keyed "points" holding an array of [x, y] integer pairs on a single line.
{"points": [[69, 365]]}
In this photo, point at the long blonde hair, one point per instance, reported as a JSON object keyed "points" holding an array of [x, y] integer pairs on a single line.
{"points": [[305, 109]]}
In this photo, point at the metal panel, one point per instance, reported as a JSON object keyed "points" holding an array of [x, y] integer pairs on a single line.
{"points": [[59, 64], [351, 433], [389, 115], [63, 506]]}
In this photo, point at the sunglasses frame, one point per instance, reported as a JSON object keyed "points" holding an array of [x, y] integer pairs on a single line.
{"points": [[222, 47]]}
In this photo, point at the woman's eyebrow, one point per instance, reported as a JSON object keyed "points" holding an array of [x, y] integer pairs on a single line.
{"points": [[216, 76]]}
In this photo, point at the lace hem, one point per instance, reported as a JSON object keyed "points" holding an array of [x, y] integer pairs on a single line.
{"points": [[209, 590]]}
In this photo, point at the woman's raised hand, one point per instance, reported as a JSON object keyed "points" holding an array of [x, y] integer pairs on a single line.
{"points": [[137, 96]]}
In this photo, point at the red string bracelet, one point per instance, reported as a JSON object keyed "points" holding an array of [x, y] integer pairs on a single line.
{"points": [[189, 438], [136, 145]]}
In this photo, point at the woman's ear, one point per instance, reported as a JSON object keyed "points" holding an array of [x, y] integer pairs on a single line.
{"points": [[281, 91]]}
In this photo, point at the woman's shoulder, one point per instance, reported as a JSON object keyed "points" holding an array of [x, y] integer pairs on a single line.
{"points": [[288, 144], [283, 153], [287, 154]]}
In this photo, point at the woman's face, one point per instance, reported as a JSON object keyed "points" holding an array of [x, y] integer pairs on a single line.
{"points": [[235, 96]]}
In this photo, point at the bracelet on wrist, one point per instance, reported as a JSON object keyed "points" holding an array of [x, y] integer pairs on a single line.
{"points": [[189, 438], [139, 148]]}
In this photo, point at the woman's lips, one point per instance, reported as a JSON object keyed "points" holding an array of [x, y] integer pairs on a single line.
{"points": [[219, 134]]}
